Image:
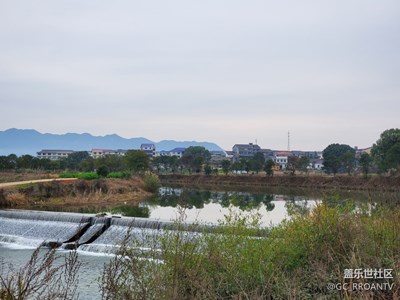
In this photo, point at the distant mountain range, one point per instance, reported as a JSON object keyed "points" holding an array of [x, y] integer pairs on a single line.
{"points": [[29, 141]]}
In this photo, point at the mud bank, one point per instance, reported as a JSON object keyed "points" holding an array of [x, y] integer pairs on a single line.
{"points": [[356, 183]]}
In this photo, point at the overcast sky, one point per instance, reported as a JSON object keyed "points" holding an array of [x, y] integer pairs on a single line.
{"points": [[220, 71]]}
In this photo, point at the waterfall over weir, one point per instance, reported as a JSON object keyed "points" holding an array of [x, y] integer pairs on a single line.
{"points": [[70, 230], [31, 228]]}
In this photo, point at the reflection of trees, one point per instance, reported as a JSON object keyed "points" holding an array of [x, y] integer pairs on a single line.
{"points": [[195, 198], [295, 207], [132, 211], [246, 201]]}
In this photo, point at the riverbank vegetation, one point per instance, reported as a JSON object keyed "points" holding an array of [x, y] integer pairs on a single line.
{"points": [[309, 256], [355, 183], [299, 259], [75, 192]]}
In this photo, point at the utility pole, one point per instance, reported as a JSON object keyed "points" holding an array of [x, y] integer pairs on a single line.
{"points": [[288, 140]]}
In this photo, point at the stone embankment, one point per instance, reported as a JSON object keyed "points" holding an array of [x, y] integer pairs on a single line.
{"points": [[356, 183]]}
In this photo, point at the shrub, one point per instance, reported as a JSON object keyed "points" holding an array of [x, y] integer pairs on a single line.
{"points": [[80, 175], [102, 171], [151, 183], [122, 175]]}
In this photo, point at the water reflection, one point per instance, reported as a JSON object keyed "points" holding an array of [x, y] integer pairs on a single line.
{"points": [[189, 199], [212, 206]]}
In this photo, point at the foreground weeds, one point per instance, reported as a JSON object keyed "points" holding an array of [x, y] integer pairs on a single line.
{"points": [[45, 276], [299, 259]]}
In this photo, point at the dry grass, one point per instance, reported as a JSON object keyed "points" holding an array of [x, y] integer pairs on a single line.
{"points": [[22, 176], [77, 193], [16, 197]]}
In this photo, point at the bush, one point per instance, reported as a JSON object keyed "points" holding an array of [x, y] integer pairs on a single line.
{"points": [[102, 171], [122, 175], [151, 183], [80, 175]]}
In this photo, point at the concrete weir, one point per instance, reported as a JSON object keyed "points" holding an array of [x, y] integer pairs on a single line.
{"points": [[76, 231]]}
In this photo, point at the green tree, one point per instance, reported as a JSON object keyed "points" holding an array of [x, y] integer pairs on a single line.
{"points": [[8, 162], [348, 161], [365, 163], [257, 162], [303, 164], [296, 163], [237, 166], [102, 171], [292, 164], [114, 163], [226, 164], [386, 151], [137, 161], [338, 158], [269, 167], [207, 169], [87, 165], [194, 157], [26, 162], [245, 163], [74, 160]]}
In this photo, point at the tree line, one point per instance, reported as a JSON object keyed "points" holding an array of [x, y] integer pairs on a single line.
{"points": [[338, 158]]}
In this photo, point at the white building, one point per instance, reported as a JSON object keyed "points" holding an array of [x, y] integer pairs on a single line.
{"points": [[54, 154], [96, 153], [281, 159], [174, 152], [149, 149]]}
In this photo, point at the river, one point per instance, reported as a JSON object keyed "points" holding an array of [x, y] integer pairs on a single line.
{"points": [[198, 206]]}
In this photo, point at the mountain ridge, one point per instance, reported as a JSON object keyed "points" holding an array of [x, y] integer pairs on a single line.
{"points": [[30, 141]]}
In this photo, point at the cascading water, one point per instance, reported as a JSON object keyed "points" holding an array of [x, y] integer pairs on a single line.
{"points": [[88, 233], [140, 233], [30, 228]]}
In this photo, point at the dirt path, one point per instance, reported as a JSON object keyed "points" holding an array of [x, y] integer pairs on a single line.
{"points": [[8, 184]]}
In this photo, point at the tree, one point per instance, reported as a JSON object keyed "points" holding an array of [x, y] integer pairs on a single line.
{"points": [[26, 162], [292, 164], [237, 166], [114, 163], [257, 162], [8, 162], [245, 163], [348, 161], [137, 161], [386, 151], [74, 160], [226, 164], [338, 158], [269, 167], [365, 163], [303, 164], [194, 157], [207, 169], [102, 171]]}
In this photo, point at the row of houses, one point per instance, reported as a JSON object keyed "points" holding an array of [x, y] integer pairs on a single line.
{"points": [[280, 158], [149, 149], [239, 151]]}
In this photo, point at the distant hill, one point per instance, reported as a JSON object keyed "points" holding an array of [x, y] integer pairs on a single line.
{"points": [[29, 141]]}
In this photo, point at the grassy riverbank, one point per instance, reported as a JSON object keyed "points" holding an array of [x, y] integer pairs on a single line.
{"points": [[74, 193], [318, 182], [302, 258]]}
